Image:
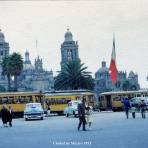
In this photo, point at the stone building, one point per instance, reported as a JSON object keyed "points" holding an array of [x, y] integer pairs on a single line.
{"points": [[34, 77], [103, 81], [69, 49], [4, 51]]}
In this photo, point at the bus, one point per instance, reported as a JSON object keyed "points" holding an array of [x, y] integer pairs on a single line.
{"points": [[112, 100], [57, 100]]}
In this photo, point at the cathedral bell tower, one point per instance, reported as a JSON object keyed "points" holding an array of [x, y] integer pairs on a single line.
{"points": [[38, 64], [4, 51], [4, 47], [69, 49]]}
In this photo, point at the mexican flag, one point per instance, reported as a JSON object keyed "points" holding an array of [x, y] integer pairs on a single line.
{"points": [[113, 68]]}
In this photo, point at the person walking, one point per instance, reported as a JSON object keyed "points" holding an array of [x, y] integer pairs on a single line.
{"points": [[133, 110], [10, 116], [126, 106], [81, 114], [142, 108], [48, 110], [4, 115], [89, 119]]}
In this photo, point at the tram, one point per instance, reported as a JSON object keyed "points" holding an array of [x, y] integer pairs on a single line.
{"points": [[112, 100], [57, 100]]}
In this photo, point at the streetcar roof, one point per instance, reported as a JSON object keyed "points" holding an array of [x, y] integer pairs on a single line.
{"points": [[125, 92], [20, 93], [68, 93]]}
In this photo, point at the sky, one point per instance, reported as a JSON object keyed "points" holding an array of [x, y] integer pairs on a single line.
{"points": [[92, 24]]}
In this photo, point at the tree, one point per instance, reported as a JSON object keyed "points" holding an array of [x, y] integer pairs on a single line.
{"points": [[126, 85], [16, 67], [6, 69], [12, 65], [73, 76]]}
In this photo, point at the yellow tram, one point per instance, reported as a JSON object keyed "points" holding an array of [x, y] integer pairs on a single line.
{"points": [[57, 100], [112, 100], [18, 100]]}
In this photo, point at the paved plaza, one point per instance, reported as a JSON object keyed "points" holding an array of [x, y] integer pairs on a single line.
{"points": [[109, 130]]}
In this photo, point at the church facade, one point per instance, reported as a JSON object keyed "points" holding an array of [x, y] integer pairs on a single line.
{"points": [[34, 77], [103, 81]]}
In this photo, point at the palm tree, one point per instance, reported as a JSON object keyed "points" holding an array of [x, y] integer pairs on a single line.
{"points": [[16, 67], [6, 69], [73, 76]]}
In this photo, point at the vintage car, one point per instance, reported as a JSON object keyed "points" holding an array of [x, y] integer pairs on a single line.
{"points": [[72, 108], [137, 100], [33, 111]]}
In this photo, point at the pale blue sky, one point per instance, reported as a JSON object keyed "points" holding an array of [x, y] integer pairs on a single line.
{"points": [[92, 24]]}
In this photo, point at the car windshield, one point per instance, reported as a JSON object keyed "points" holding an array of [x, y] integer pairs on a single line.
{"points": [[33, 107]]}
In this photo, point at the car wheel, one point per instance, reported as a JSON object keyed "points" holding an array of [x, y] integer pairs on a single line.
{"points": [[67, 115], [26, 119], [42, 118]]}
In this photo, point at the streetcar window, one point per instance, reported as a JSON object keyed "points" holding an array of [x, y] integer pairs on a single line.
{"points": [[11, 100], [4, 100]]}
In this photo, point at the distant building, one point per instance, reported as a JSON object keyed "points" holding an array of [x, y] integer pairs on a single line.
{"points": [[133, 81], [35, 78], [4, 51], [69, 49], [103, 81]]}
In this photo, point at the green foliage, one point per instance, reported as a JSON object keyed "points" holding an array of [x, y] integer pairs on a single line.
{"points": [[73, 76], [126, 85], [12, 65]]}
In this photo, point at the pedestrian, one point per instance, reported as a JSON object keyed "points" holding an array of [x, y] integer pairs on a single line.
{"points": [[81, 114], [10, 116], [48, 110], [4, 115], [133, 110], [126, 106], [142, 108], [88, 115]]}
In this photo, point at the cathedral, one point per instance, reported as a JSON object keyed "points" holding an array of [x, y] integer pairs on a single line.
{"points": [[4, 51], [34, 77]]}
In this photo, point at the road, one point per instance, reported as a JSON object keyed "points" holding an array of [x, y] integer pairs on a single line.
{"points": [[109, 130]]}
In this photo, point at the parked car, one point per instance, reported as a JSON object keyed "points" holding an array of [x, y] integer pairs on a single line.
{"points": [[136, 101], [72, 108], [33, 111]]}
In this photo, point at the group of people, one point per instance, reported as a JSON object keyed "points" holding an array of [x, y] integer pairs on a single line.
{"points": [[129, 106], [6, 115], [85, 115]]}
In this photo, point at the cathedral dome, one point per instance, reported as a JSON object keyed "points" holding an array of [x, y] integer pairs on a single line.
{"points": [[103, 69], [68, 36], [2, 37]]}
